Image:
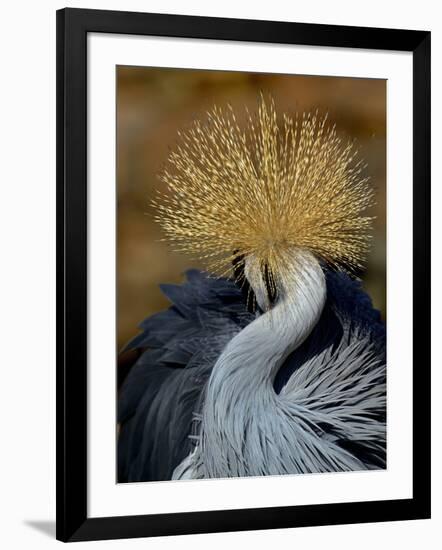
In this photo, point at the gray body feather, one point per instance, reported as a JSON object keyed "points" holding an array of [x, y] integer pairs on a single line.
{"points": [[320, 408]]}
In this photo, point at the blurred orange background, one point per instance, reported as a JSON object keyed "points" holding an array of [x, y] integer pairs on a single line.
{"points": [[153, 104]]}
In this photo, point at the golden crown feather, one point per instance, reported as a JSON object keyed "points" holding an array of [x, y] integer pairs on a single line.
{"points": [[265, 189]]}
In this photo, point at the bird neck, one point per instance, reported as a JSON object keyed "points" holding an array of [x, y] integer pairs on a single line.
{"points": [[258, 351], [241, 384]]}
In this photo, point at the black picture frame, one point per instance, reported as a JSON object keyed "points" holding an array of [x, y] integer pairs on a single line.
{"points": [[73, 25]]}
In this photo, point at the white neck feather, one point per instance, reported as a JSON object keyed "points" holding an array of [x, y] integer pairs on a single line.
{"points": [[240, 390]]}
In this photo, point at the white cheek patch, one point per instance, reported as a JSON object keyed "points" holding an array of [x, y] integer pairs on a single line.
{"points": [[252, 271]]}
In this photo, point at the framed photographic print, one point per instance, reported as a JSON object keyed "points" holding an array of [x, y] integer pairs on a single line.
{"points": [[243, 298]]}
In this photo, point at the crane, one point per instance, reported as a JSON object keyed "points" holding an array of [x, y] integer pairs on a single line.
{"points": [[272, 360]]}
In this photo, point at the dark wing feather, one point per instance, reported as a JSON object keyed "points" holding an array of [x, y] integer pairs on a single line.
{"points": [[161, 393], [348, 309], [347, 306]]}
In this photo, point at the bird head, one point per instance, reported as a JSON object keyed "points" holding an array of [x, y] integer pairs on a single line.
{"points": [[270, 193]]}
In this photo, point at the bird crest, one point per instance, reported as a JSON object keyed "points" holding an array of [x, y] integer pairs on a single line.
{"points": [[265, 188]]}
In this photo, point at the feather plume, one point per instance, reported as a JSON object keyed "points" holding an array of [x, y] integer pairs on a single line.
{"points": [[275, 185]]}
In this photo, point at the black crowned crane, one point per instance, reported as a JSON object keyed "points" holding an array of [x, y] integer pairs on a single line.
{"points": [[276, 366]]}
